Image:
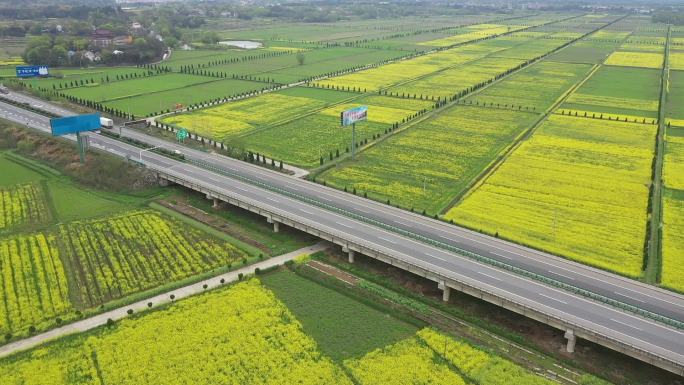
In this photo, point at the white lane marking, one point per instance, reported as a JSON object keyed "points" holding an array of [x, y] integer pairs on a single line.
{"points": [[625, 324], [435, 257], [490, 276], [650, 296], [560, 275], [387, 240], [554, 299], [626, 296], [306, 211], [502, 256], [345, 225], [273, 200]]}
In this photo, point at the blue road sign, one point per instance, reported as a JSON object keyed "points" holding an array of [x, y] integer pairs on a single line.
{"points": [[74, 124], [31, 71]]}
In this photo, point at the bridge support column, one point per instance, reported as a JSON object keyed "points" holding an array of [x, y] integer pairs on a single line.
{"points": [[162, 181], [446, 291], [351, 256], [276, 226], [216, 204], [572, 339]]}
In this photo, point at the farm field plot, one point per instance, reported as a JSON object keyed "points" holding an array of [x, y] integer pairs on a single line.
{"points": [[23, 204], [233, 118], [74, 77], [478, 366], [608, 34], [200, 57], [342, 327], [13, 173], [11, 49], [577, 188], [590, 52], [239, 335], [636, 59], [474, 32], [673, 240], [676, 60], [135, 251], [166, 100], [606, 94], [296, 73], [135, 87], [427, 165], [393, 73], [34, 289], [451, 81], [406, 362], [286, 68], [536, 87], [304, 141], [674, 104], [531, 49], [673, 169]]}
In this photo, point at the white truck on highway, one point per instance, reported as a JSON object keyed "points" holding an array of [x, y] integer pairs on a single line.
{"points": [[106, 123]]}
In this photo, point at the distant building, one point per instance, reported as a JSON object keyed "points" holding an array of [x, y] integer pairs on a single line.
{"points": [[123, 40], [102, 38], [137, 29]]}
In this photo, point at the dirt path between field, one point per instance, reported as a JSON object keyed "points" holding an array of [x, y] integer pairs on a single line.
{"points": [[161, 299]]}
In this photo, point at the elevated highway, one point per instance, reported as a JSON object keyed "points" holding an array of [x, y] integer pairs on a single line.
{"points": [[625, 315]]}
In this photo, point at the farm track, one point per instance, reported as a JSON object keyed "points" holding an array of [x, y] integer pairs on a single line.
{"points": [[654, 257]]}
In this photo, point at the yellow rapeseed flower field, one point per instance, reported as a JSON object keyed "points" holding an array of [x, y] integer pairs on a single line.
{"points": [[677, 60], [240, 335], [578, 188], [242, 116], [476, 32], [21, 205], [427, 165], [673, 241], [393, 73], [406, 362], [135, 251], [34, 286], [478, 366], [673, 169], [636, 59]]}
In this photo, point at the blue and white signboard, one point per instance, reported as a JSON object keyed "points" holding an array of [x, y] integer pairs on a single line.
{"points": [[74, 124], [31, 71], [354, 115]]}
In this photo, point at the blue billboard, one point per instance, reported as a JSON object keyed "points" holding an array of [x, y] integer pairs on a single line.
{"points": [[354, 115], [31, 71], [74, 124]]}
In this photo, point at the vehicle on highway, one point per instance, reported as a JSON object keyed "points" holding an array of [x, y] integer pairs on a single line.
{"points": [[106, 123]]}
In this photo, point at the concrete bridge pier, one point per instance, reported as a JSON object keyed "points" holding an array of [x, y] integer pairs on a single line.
{"points": [[276, 226], [446, 291], [572, 339], [349, 252]]}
